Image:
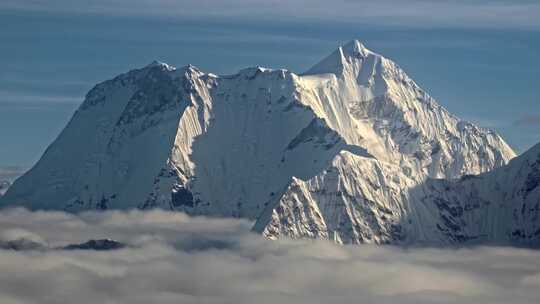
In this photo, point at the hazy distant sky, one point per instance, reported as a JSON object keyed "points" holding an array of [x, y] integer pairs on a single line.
{"points": [[479, 59]]}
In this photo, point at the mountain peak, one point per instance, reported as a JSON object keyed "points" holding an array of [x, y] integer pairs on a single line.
{"points": [[160, 64], [341, 57], [355, 48], [306, 149]]}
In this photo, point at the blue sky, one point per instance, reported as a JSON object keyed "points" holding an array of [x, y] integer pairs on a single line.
{"points": [[479, 59]]}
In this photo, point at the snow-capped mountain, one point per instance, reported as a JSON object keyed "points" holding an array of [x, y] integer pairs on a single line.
{"points": [[357, 200], [258, 142]]}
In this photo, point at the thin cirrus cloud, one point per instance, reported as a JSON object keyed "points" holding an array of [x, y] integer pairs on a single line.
{"points": [[415, 13], [173, 258], [20, 99], [529, 120]]}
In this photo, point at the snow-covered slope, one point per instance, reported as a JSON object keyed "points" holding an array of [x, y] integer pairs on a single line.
{"points": [[371, 102], [235, 145], [358, 200]]}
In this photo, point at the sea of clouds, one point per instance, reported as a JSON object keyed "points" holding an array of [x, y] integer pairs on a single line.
{"points": [[174, 258]]}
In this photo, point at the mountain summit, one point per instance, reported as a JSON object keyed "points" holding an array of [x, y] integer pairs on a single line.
{"points": [[340, 152], [337, 62]]}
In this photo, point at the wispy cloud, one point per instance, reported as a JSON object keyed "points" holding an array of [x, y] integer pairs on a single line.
{"points": [[7, 97], [485, 122], [174, 258], [417, 13], [529, 120]]}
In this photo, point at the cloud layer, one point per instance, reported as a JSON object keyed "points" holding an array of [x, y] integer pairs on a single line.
{"points": [[174, 258], [418, 13], [10, 173]]}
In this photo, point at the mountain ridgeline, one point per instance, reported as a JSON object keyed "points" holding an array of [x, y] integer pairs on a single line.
{"points": [[353, 151]]}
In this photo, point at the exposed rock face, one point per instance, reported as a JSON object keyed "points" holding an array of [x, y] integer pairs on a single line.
{"points": [[99, 245], [21, 244], [340, 152], [4, 185]]}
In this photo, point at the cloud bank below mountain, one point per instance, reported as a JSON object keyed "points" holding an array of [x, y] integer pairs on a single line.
{"points": [[174, 258], [10, 173]]}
